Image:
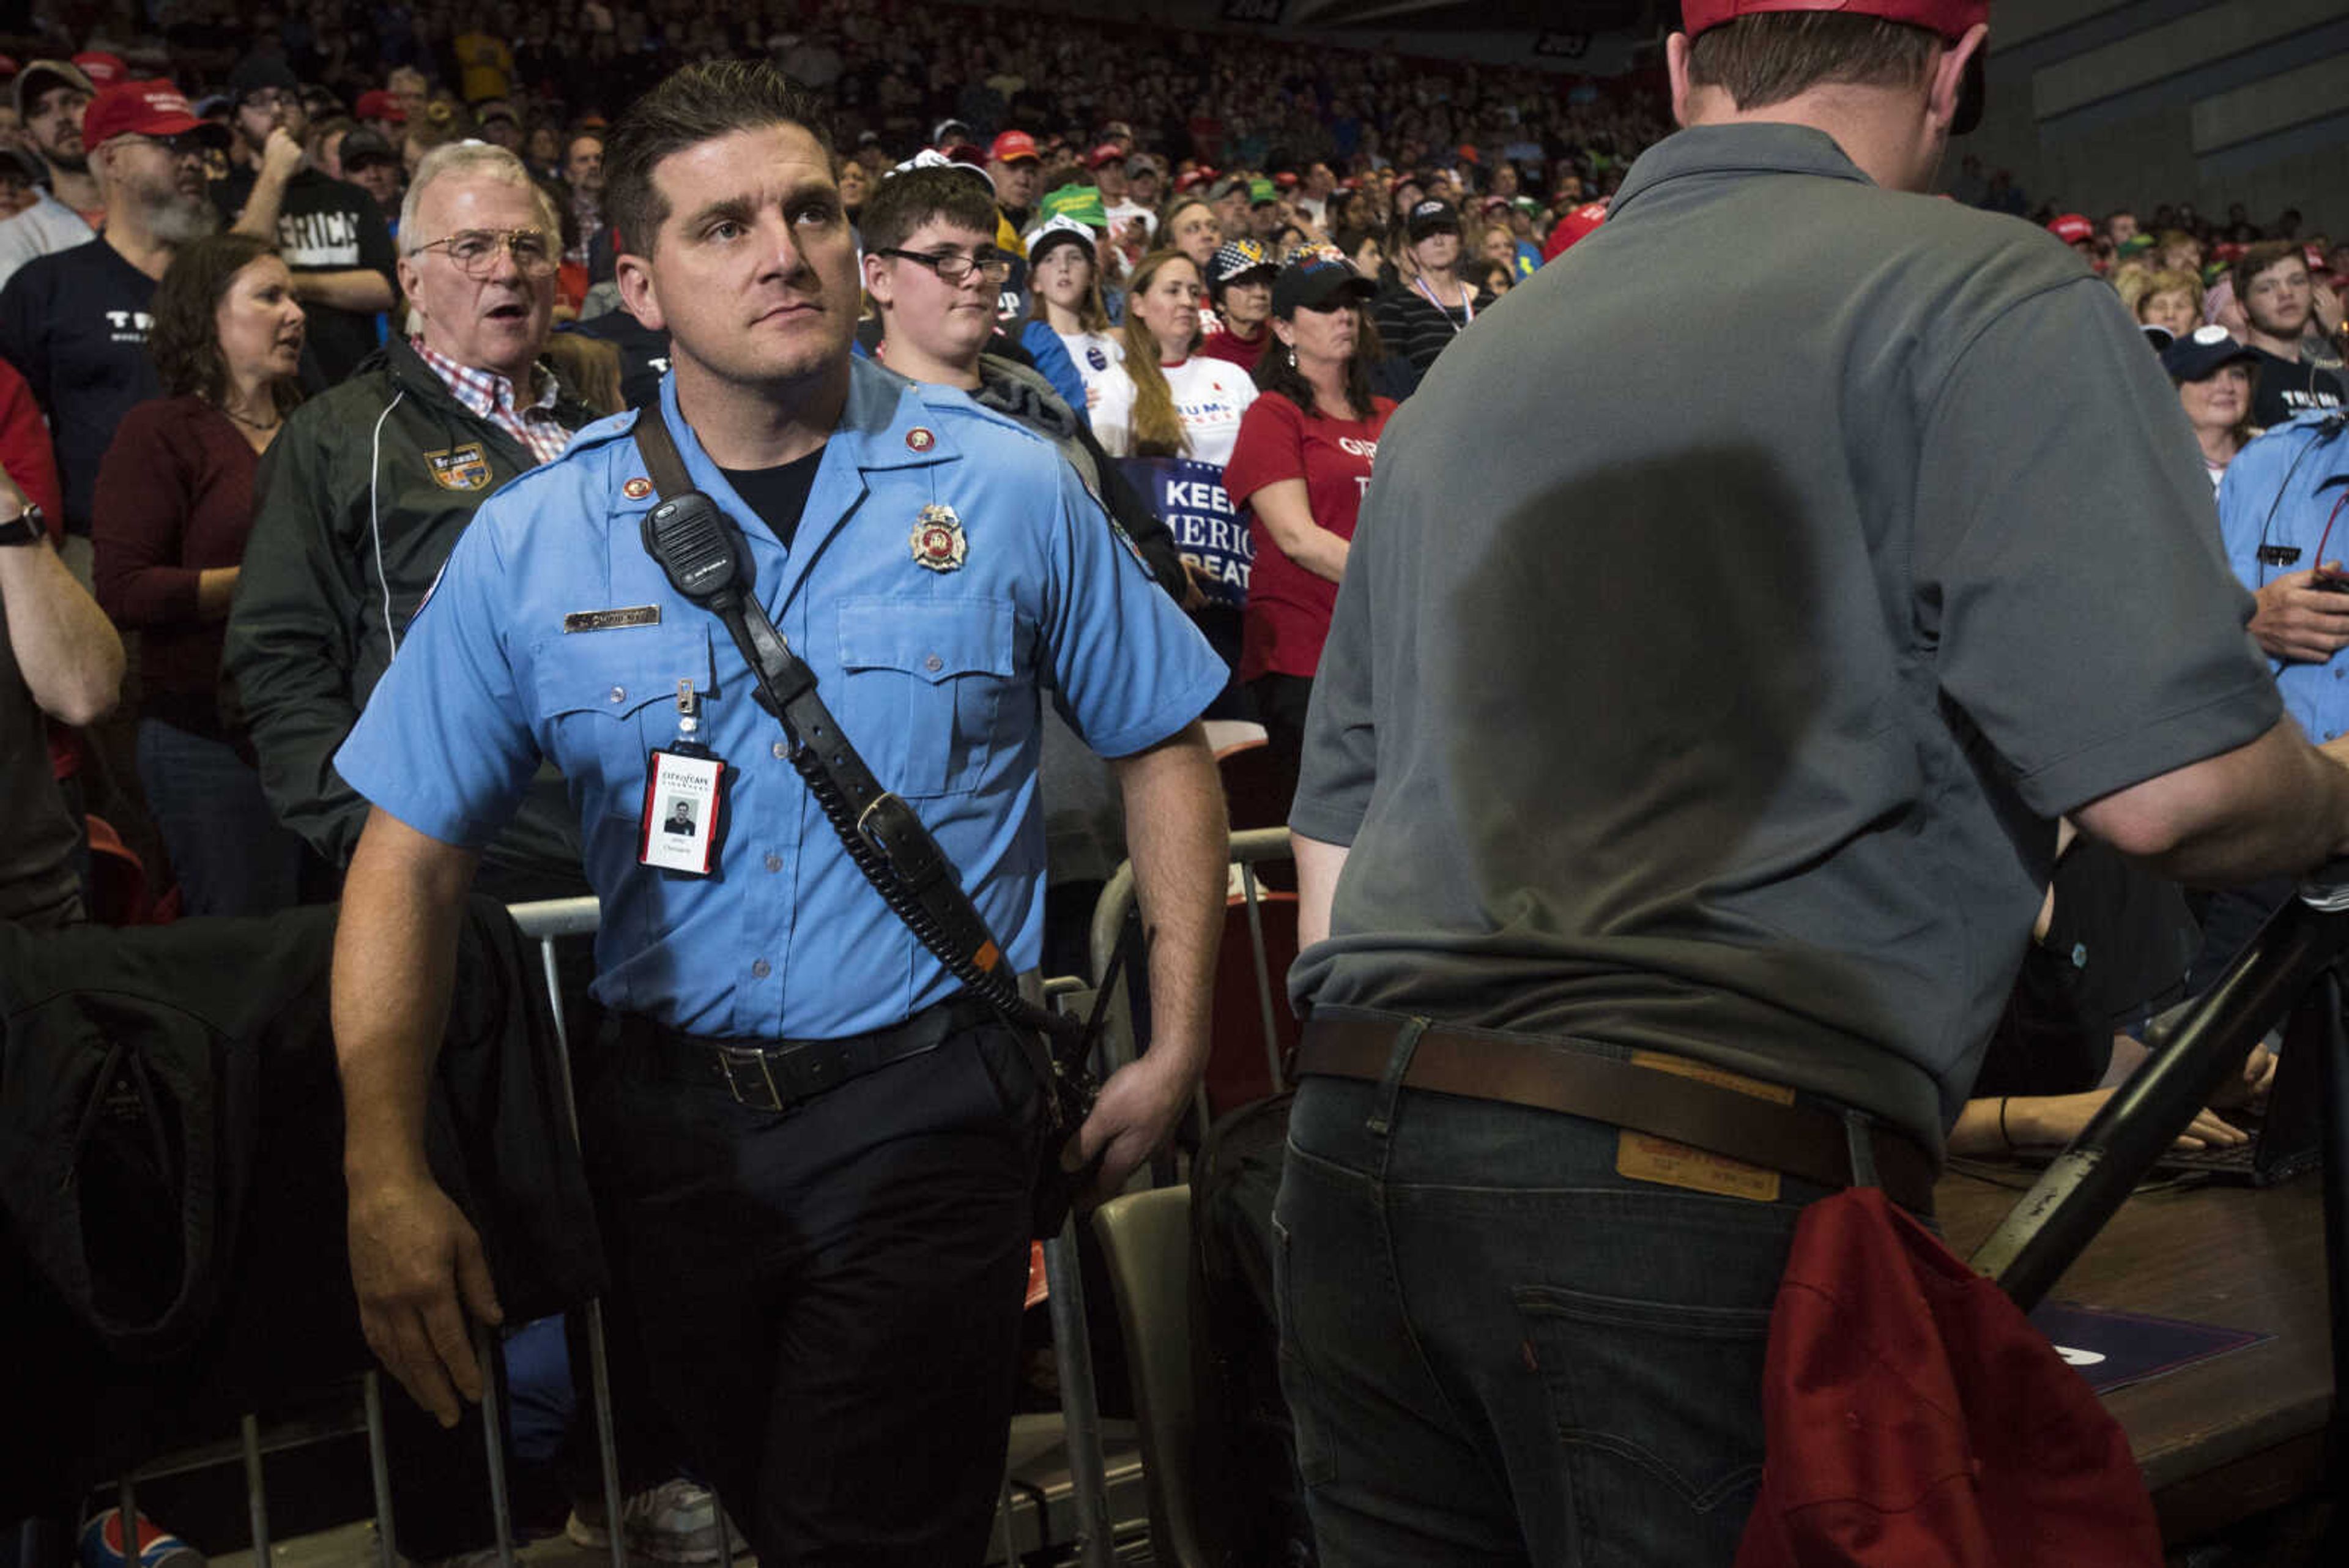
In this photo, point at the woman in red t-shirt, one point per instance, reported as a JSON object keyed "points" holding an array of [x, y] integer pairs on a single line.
{"points": [[1299, 467]]}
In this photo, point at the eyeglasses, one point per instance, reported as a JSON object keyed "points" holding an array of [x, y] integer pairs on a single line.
{"points": [[269, 101], [476, 251], [187, 144], [952, 267]]}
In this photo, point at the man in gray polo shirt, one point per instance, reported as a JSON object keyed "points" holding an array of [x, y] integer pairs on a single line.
{"points": [[1709, 713]]}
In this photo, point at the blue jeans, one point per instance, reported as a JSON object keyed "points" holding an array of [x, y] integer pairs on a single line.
{"points": [[229, 853], [1496, 1350]]}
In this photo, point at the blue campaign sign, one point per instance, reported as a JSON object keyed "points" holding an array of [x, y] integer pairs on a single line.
{"points": [[1208, 530]]}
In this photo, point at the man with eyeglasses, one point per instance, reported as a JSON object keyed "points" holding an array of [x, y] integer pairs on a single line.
{"points": [[365, 490], [74, 322], [361, 498], [50, 96], [329, 232]]}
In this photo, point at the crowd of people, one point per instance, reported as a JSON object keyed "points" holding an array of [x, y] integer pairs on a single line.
{"points": [[282, 307]]}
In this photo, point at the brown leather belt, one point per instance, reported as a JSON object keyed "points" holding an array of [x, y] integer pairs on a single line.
{"points": [[1801, 1140]]}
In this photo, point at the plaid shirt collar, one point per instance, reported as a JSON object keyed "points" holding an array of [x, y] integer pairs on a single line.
{"points": [[491, 396]]}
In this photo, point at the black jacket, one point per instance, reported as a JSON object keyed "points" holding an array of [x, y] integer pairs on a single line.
{"points": [[362, 496], [218, 1269], [158, 1083], [1017, 390]]}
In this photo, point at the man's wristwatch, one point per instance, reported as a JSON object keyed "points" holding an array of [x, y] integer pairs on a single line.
{"points": [[27, 527]]}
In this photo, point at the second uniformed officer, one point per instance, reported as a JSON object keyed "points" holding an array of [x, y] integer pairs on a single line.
{"points": [[830, 1290]]}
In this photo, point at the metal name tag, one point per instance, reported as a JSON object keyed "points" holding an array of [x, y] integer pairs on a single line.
{"points": [[608, 619]]}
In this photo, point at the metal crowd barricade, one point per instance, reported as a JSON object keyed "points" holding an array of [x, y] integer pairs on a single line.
{"points": [[546, 923]]}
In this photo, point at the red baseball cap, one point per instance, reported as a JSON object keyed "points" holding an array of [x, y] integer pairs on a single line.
{"points": [[376, 103], [1576, 225], [2073, 229], [1012, 146], [1107, 152], [1951, 19], [104, 70], [154, 108]]}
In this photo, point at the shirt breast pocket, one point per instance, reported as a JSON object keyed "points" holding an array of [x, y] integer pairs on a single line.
{"points": [[606, 699], [922, 687]]}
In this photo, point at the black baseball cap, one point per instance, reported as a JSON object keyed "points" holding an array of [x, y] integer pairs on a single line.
{"points": [[2204, 353], [365, 146], [259, 73], [1315, 276], [1432, 216]]}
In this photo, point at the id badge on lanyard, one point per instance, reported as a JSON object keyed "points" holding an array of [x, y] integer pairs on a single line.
{"points": [[685, 798]]}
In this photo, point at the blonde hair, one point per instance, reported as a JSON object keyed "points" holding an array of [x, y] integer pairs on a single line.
{"points": [[1157, 429], [2166, 282]]}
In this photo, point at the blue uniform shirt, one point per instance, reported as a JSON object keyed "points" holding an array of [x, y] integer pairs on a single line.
{"points": [[2278, 492], [933, 675]]}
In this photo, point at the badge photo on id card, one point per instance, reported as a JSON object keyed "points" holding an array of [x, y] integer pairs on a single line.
{"points": [[685, 799]]}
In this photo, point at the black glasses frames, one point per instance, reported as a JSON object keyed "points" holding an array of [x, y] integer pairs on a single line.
{"points": [[953, 267]]}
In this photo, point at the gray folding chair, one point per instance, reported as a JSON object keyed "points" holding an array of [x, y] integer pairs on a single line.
{"points": [[1146, 1237]]}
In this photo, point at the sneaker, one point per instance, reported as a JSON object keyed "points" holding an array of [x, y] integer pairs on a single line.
{"points": [[676, 1522], [101, 1544]]}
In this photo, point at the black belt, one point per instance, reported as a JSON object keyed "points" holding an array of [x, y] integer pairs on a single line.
{"points": [[1803, 1140], [777, 1074]]}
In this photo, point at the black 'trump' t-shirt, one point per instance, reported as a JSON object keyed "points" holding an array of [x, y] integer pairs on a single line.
{"points": [[324, 225], [75, 322], [644, 353], [2285, 389]]}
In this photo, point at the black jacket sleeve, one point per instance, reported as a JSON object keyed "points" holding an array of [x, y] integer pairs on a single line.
{"points": [[1125, 505], [289, 643]]}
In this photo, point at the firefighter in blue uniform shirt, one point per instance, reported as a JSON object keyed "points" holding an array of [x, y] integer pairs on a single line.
{"points": [[829, 1293], [2280, 504]]}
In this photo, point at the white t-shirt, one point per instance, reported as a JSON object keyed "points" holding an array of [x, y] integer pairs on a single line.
{"points": [[1210, 396], [47, 225], [1095, 355]]}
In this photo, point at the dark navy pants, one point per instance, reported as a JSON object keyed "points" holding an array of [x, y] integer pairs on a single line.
{"points": [[1496, 1350], [830, 1298]]}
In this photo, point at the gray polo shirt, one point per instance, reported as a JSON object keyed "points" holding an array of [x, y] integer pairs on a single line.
{"points": [[1732, 612]]}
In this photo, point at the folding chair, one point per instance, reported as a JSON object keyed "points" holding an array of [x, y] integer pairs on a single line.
{"points": [[1147, 1238], [1251, 1029], [1256, 794]]}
